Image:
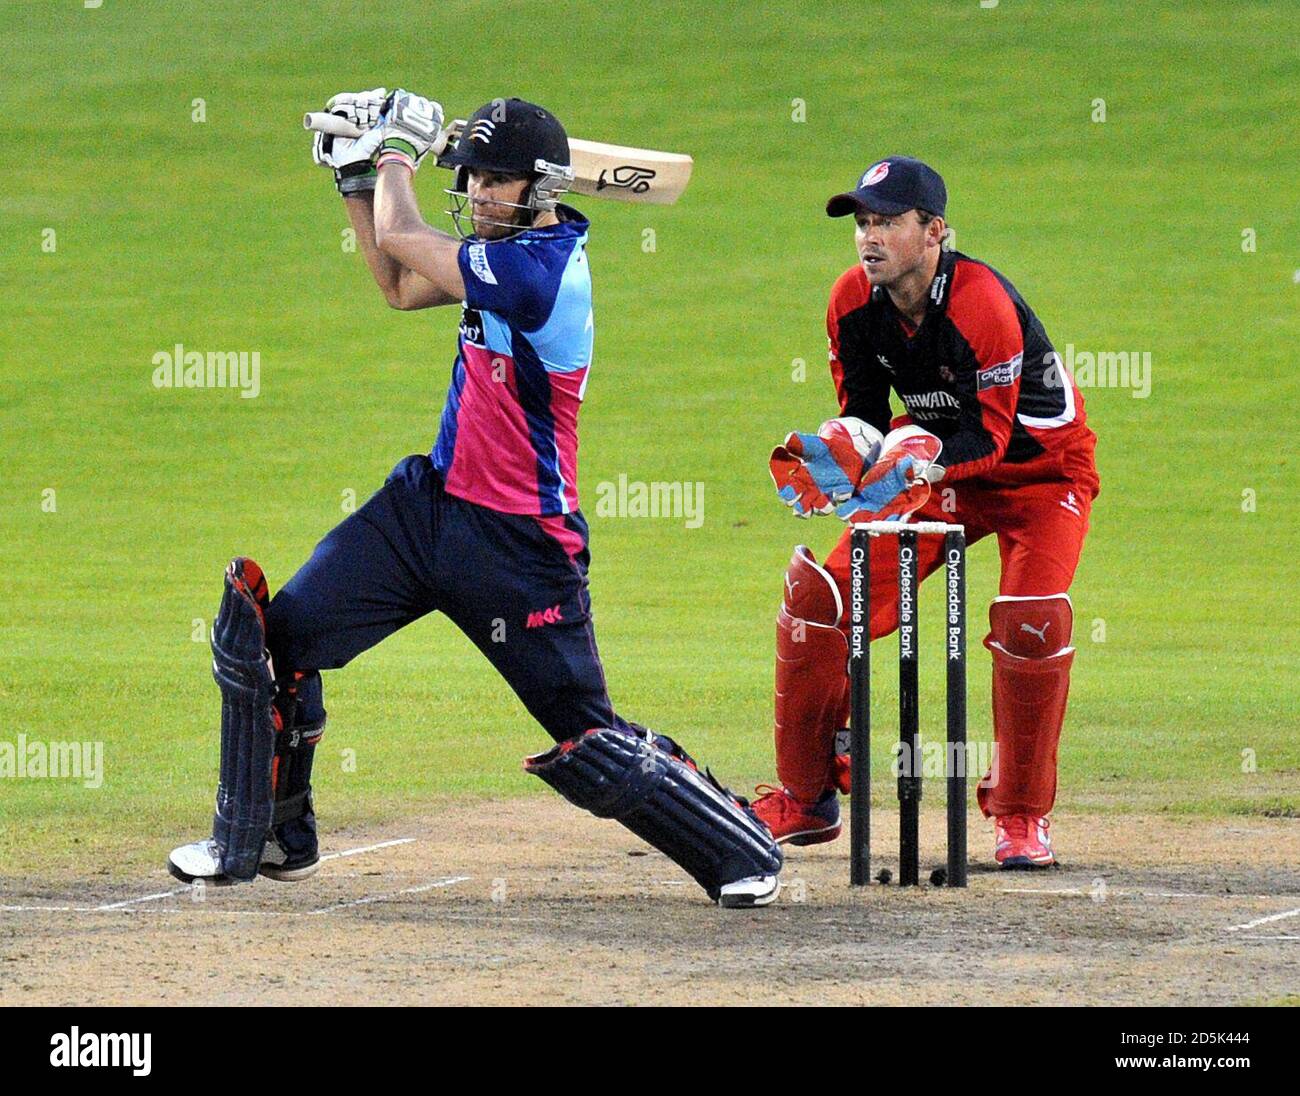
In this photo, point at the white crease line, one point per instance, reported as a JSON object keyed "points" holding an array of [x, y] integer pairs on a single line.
{"points": [[222, 912], [1114, 892], [1248, 937], [367, 848], [134, 909], [1265, 920], [450, 881], [108, 906], [142, 898], [1109, 892], [46, 909]]}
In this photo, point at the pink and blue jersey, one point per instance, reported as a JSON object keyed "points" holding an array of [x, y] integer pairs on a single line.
{"points": [[509, 433]]}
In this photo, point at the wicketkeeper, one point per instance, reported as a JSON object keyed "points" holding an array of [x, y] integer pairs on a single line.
{"points": [[486, 528], [993, 437]]}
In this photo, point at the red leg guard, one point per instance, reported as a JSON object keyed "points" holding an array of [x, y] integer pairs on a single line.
{"points": [[812, 691], [1029, 639]]}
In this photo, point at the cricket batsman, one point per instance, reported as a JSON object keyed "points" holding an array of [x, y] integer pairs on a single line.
{"points": [[993, 437], [485, 528]]}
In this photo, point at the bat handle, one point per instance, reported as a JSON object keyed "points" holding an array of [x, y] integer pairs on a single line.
{"points": [[323, 122]]}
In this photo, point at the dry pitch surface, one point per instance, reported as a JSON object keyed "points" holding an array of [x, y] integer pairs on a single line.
{"points": [[532, 902]]}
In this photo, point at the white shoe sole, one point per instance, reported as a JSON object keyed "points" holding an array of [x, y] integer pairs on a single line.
{"points": [[207, 880], [757, 890], [198, 862]]}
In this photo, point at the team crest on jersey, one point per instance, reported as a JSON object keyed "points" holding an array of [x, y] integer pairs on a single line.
{"points": [[949, 377], [875, 173], [478, 263]]}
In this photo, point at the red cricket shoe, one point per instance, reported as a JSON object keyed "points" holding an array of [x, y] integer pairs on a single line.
{"points": [[1023, 843], [794, 821]]}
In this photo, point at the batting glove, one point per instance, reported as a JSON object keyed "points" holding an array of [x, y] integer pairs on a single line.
{"points": [[353, 170], [362, 108], [411, 127]]}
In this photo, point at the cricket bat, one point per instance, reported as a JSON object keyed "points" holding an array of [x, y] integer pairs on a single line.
{"points": [[599, 170]]}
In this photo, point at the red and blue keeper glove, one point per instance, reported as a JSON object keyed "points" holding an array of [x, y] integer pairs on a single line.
{"points": [[814, 473], [849, 468]]}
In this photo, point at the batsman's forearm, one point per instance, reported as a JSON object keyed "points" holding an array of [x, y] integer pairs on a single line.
{"points": [[396, 209], [386, 270], [402, 235]]}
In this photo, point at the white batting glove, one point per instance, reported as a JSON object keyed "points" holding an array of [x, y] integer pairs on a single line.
{"points": [[411, 128], [362, 108], [353, 170]]}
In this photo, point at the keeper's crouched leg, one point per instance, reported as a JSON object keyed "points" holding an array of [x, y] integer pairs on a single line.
{"points": [[653, 787]]}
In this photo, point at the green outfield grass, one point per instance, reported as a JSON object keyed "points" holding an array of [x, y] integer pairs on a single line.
{"points": [[1124, 235]]}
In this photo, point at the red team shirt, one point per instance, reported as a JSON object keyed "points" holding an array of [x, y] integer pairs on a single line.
{"points": [[980, 372]]}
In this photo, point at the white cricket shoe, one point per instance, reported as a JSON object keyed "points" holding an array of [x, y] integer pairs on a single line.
{"points": [[756, 890], [198, 862], [202, 861]]}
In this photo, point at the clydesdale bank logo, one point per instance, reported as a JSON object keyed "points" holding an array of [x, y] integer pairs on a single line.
{"points": [[103, 1051]]}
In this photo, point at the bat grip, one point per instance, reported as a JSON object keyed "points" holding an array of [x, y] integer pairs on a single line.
{"points": [[323, 122]]}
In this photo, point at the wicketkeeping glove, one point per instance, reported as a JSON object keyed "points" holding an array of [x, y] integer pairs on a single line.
{"points": [[813, 472], [898, 484], [353, 169]]}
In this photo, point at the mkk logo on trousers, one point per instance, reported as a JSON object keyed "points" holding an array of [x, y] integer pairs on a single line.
{"points": [[544, 616]]}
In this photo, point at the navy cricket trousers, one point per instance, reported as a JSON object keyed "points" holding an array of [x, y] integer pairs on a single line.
{"points": [[504, 580]]}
